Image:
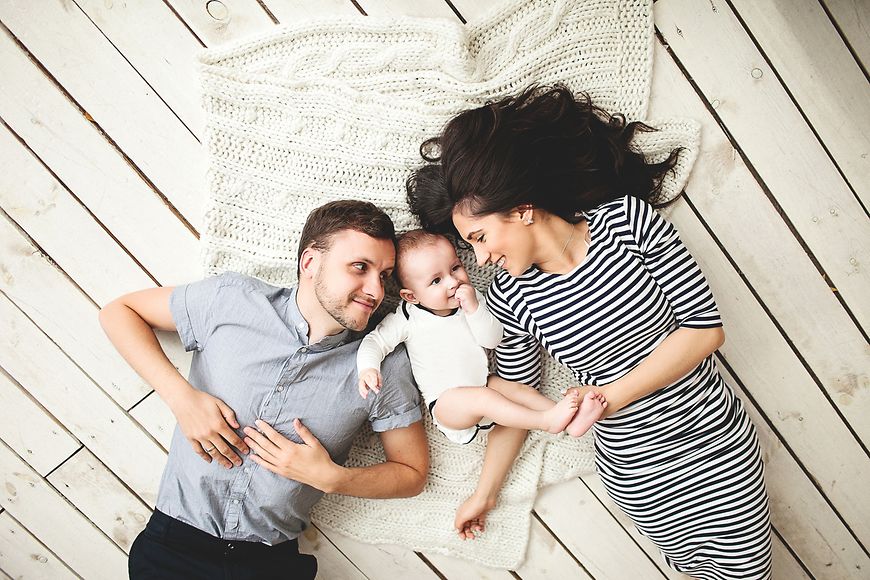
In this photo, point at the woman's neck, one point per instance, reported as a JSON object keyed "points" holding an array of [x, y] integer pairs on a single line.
{"points": [[563, 245]]}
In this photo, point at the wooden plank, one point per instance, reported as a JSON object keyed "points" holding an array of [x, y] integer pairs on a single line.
{"points": [[134, 29], [30, 431], [377, 561], [23, 556], [830, 88], [53, 379], [798, 511], [153, 414], [105, 85], [546, 558], [57, 524], [456, 569], [218, 22], [721, 187], [853, 19], [427, 9], [60, 309], [100, 496], [331, 563], [95, 173], [780, 385], [591, 533], [721, 59], [785, 566], [290, 11]]}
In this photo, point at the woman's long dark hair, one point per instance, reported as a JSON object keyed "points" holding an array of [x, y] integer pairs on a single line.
{"points": [[544, 148]]}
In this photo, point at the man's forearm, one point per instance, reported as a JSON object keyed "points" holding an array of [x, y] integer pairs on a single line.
{"points": [[380, 481]]}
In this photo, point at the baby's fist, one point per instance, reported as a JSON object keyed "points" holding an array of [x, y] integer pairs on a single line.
{"points": [[369, 380], [467, 298]]}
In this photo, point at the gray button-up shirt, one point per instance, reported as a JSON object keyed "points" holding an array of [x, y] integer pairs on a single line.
{"points": [[251, 351]]}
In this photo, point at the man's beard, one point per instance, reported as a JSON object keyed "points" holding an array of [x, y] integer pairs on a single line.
{"points": [[337, 307]]}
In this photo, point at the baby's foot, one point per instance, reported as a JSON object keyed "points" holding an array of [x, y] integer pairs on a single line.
{"points": [[558, 417], [591, 409]]}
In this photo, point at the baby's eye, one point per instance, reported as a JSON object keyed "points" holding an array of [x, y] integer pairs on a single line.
{"points": [[435, 282], [457, 267]]}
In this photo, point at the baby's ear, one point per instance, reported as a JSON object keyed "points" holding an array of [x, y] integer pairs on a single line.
{"points": [[408, 296]]}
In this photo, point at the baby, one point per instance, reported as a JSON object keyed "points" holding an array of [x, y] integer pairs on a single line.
{"points": [[445, 325]]}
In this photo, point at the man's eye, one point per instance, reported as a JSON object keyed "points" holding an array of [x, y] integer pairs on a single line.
{"points": [[435, 282], [385, 275], [360, 266]]}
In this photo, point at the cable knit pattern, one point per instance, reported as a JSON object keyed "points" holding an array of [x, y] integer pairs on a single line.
{"points": [[336, 108]]}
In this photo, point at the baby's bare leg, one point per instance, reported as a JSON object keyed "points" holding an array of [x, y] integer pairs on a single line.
{"points": [[463, 407], [519, 393]]}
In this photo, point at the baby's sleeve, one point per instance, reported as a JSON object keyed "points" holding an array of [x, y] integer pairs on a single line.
{"points": [[381, 341], [485, 327]]}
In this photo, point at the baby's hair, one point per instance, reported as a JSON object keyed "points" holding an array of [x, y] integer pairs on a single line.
{"points": [[411, 240]]}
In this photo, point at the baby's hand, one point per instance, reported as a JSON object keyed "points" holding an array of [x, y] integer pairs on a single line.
{"points": [[369, 380], [467, 298]]}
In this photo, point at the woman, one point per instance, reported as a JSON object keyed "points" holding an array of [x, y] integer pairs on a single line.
{"points": [[547, 188]]}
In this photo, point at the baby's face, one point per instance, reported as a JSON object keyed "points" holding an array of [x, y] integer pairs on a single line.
{"points": [[433, 272]]}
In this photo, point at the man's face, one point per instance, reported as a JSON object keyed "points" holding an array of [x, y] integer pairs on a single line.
{"points": [[349, 284]]}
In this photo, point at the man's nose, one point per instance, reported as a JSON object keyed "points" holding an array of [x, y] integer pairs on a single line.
{"points": [[374, 287]]}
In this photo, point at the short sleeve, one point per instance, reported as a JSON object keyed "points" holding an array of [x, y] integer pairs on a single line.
{"points": [[517, 356], [193, 309], [672, 266], [398, 403]]}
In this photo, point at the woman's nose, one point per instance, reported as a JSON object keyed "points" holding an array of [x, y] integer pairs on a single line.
{"points": [[481, 257]]}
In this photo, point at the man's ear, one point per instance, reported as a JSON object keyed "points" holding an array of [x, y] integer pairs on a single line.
{"points": [[408, 296], [309, 263]]}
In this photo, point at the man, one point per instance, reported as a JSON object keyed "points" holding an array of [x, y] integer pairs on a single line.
{"points": [[278, 365]]}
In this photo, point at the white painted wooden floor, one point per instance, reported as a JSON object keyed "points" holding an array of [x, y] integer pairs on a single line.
{"points": [[101, 188]]}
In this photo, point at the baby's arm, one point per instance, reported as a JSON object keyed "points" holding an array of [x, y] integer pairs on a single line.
{"points": [[485, 328], [375, 346]]}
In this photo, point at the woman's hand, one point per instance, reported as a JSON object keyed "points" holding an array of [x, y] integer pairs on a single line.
{"points": [[208, 424]]}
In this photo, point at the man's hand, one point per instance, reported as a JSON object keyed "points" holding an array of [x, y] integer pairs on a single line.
{"points": [[467, 298], [369, 380], [471, 516], [208, 424], [307, 462]]}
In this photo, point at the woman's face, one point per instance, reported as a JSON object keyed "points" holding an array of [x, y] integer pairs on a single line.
{"points": [[503, 240]]}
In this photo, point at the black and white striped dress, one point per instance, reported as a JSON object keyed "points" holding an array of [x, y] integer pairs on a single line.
{"points": [[683, 462]]}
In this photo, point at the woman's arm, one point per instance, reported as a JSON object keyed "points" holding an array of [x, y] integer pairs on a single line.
{"points": [[676, 356]]}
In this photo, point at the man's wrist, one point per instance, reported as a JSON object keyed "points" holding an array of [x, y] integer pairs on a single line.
{"points": [[335, 479]]}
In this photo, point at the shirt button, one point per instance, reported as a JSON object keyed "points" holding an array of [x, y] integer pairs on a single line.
{"points": [[235, 501], [280, 388], [303, 349], [247, 470]]}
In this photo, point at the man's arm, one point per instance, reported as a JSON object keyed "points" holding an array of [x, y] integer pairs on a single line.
{"points": [[129, 322], [403, 474]]}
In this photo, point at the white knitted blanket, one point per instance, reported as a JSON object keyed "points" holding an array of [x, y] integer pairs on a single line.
{"points": [[337, 108]]}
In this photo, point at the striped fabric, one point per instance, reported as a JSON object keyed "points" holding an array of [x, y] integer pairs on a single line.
{"points": [[684, 462]]}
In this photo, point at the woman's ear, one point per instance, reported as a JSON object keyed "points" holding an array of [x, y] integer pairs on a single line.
{"points": [[408, 296], [526, 213]]}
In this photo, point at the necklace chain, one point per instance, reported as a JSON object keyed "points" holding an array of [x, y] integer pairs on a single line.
{"points": [[568, 241]]}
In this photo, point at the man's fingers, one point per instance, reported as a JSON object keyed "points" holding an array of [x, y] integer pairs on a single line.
{"points": [[228, 414], [307, 437], [233, 439], [259, 442], [199, 450]]}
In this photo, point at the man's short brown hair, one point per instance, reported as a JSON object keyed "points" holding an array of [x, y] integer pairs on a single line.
{"points": [[326, 221]]}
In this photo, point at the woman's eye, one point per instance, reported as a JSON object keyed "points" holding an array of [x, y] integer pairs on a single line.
{"points": [[435, 282], [481, 239]]}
